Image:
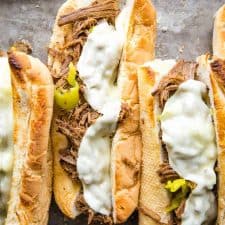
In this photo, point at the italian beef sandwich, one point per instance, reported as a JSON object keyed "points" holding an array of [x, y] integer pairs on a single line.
{"points": [[93, 57], [26, 106], [182, 122]]}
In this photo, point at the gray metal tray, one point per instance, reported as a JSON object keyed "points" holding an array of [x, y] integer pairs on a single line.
{"points": [[184, 31]]}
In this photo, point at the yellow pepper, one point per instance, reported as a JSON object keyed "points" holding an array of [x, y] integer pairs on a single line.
{"points": [[68, 98], [180, 189], [71, 78], [173, 186], [176, 201]]}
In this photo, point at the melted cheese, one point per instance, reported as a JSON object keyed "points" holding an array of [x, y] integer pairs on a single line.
{"points": [[97, 65], [6, 140], [97, 68], [187, 130]]}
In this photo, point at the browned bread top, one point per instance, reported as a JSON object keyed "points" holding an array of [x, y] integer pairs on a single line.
{"points": [[32, 108]]}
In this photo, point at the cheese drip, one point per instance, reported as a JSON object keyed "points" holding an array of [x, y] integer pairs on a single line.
{"points": [[97, 68], [6, 136], [188, 132]]}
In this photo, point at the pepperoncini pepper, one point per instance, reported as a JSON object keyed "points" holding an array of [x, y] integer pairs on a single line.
{"points": [[68, 98], [179, 189]]}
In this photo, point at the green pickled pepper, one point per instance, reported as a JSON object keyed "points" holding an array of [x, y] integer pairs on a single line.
{"points": [[179, 188], [68, 98]]}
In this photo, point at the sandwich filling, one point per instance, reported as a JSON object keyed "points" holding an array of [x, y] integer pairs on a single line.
{"points": [[94, 46], [6, 136], [189, 137], [188, 132], [98, 74]]}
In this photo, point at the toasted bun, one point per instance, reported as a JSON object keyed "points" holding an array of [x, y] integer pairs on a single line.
{"points": [[153, 196], [141, 37], [65, 190], [127, 144], [32, 107], [215, 79], [219, 33]]}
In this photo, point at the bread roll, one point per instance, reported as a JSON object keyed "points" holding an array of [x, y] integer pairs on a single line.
{"points": [[32, 171], [138, 48], [219, 33], [127, 144]]}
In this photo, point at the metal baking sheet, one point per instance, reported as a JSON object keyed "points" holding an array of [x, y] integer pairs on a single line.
{"points": [[184, 31]]}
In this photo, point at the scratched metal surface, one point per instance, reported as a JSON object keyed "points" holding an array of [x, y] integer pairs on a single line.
{"points": [[184, 31]]}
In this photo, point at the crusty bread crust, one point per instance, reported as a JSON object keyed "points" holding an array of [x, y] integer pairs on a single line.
{"points": [[153, 196], [215, 80], [219, 33], [217, 94], [127, 144], [65, 190], [32, 173], [219, 118]]}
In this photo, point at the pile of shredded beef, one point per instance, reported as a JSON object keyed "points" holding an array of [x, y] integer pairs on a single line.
{"points": [[167, 173], [93, 218], [169, 84], [181, 72], [74, 123]]}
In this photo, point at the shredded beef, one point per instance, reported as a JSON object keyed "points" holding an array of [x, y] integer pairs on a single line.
{"points": [[181, 72], [54, 53], [81, 27], [80, 42], [105, 9], [178, 213], [62, 82], [93, 218], [176, 221], [180, 210], [76, 123], [166, 172], [68, 161]]}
